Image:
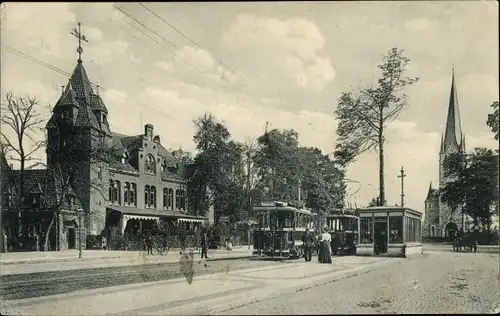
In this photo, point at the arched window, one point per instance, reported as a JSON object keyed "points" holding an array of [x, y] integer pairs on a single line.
{"points": [[170, 202], [132, 194], [114, 191], [165, 198], [146, 195], [152, 197], [126, 191], [150, 165]]}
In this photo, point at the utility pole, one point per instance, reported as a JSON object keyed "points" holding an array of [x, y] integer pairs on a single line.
{"points": [[402, 176]]}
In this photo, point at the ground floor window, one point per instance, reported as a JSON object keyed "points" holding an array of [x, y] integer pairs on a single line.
{"points": [[366, 232], [395, 229]]}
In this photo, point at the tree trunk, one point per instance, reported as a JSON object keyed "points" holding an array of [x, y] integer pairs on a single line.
{"points": [[47, 234], [19, 224], [381, 169]]}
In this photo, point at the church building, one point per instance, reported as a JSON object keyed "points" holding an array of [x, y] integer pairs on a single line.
{"points": [[439, 220]]}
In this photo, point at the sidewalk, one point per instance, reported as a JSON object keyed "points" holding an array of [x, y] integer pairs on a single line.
{"points": [[68, 260], [33, 257], [210, 294]]}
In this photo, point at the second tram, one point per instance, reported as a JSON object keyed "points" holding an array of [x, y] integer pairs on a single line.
{"points": [[344, 230], [280, 230]]}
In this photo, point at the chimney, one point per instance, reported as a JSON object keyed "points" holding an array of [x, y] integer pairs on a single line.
{"points": [[156, 139], [148, 131], [62, 90]]}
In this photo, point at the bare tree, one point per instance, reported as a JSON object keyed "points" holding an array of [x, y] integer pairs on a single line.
{"points": [[364, 116], [21, 116]]}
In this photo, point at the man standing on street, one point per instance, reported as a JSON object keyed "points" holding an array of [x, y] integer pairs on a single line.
{"points": [[204, 245], [308, 244]]}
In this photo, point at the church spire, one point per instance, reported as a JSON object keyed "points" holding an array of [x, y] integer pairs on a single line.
{"points": [[453, 134]]}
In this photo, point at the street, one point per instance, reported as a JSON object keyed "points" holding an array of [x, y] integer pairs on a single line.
{"points": [[435, 283], [19, 286]]}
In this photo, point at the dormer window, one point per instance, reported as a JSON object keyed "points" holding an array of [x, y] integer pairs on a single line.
{"points": [[104, 119], [124, 158], [150, 165], [163, 165]]}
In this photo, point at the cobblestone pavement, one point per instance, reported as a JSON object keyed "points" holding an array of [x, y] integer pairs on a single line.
{"points": [[434, 283]]}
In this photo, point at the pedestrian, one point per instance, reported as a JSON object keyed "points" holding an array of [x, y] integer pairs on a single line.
{"points": [[308, 244], [103, 243], [204, 245], [149, 243], [325, 253]]}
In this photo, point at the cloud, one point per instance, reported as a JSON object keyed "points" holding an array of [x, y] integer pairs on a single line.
{"points": [[289, 47], [47, 38], [190, 62], [178, 103], [26, 26]]}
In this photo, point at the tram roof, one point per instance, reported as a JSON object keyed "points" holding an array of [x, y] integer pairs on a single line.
{"points": [[342, 215], [283, 209]]}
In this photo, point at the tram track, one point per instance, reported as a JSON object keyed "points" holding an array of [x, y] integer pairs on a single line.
{"points": [[20, 286]]}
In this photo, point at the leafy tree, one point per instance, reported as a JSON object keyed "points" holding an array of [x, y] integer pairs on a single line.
{"points": [[363, 116], [474, 184], [322, 181], [218, 168], [276, 162], [492, 121]]}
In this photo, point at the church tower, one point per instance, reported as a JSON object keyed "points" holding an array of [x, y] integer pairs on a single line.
{"points": [[454, 139], [77, 133], [440, 221]]}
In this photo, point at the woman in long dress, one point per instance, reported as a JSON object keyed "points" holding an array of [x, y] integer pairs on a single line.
{"points": [[325, 252]]}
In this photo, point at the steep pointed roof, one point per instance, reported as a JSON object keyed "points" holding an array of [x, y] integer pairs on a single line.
{"points": [[80, 83], [96, 103], [453, 133]]}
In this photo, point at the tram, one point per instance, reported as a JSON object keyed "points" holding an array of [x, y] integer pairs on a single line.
{"points": [[280, 230], [344, 230]]}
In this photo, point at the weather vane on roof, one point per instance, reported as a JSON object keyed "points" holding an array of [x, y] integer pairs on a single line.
{"points": [[78, 34]]}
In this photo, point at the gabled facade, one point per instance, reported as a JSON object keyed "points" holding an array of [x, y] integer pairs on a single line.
{"points": [[123, 184], [440, 221]]}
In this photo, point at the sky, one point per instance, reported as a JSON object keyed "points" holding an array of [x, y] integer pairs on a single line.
{"points": [[283, 63]]}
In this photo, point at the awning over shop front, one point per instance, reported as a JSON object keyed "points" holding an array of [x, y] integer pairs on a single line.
{"points": [[190, 220], [152, 218], [128, 213]]}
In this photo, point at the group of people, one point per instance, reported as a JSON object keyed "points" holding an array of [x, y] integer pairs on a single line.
{"points": [[323, 244]]}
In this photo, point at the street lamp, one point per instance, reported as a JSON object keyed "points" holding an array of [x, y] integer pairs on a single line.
{"points": [[80, 213]]}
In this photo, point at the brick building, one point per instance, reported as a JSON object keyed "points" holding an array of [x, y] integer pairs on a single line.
{"points": [[122, 184]]}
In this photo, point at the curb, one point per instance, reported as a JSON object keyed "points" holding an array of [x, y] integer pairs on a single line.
{"points": [[73, 259], [40, 261]]}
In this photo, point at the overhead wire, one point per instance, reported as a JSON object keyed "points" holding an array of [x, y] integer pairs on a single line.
{"points": [[194, 43], [67, 74], [130, 16]]}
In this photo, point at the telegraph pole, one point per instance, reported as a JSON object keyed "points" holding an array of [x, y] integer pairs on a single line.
{"points": [[402, 176]]}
